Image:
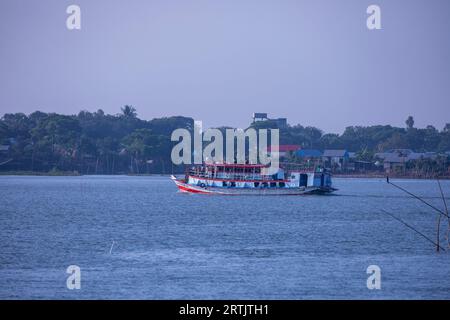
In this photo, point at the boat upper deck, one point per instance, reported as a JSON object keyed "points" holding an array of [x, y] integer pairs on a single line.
{"points": [[244, 172]]}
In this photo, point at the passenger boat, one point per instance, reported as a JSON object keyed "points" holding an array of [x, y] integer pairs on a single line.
{"points": [[253, 179]]}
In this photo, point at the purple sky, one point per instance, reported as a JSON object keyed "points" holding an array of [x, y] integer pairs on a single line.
{"points": [[314, 62]]}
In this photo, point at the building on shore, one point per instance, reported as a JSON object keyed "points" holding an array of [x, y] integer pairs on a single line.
{"points": [[396, 160], [309, 154], [285, 150], [259, 117], [336, 159]]}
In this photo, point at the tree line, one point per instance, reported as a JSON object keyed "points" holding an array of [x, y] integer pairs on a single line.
{"points": [[99, 143]]}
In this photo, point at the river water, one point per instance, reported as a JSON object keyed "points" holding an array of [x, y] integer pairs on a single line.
{"points": [[138, 238]]}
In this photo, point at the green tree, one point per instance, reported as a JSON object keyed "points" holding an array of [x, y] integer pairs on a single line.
{"points": [[446, 128], [409, 122]]}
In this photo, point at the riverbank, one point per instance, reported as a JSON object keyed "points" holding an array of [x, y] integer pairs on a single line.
{"points": [[393, 176], [38, 173], [76, 173]]}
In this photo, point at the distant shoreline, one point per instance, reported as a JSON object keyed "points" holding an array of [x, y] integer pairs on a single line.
{"points": [[38, 173], [73, 174], [383, 176], [77, 174]]}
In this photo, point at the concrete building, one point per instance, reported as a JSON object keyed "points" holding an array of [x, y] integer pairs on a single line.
{"points": [[259, 116]]}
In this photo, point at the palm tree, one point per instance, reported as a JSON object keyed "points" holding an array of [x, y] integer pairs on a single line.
{"points": [[129, 111]]}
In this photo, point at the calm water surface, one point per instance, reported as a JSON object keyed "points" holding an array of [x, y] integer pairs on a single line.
{"points": [[169, 245]]}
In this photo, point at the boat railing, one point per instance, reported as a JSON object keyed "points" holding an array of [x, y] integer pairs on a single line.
{"points": [[231, 176]]}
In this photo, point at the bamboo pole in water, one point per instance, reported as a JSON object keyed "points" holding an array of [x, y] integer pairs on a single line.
{"points": [[441, 213], [418, 198], [412, 228], [446, 211], [438, 233]]}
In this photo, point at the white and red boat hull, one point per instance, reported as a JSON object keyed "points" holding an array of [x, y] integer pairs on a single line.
{"points": [[196, 189]]}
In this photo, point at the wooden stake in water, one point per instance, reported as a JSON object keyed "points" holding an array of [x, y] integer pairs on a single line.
{"points": [[446, 211], [112, 245]]}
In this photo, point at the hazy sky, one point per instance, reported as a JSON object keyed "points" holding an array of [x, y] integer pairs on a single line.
{"points": [[314, 62]]}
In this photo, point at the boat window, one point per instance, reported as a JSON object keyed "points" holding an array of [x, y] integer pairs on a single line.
{"points": [[256, 184], [273, 184], [282, 184]]}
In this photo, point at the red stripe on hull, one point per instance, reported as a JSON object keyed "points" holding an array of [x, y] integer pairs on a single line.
{"points": [[191, 190]]}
